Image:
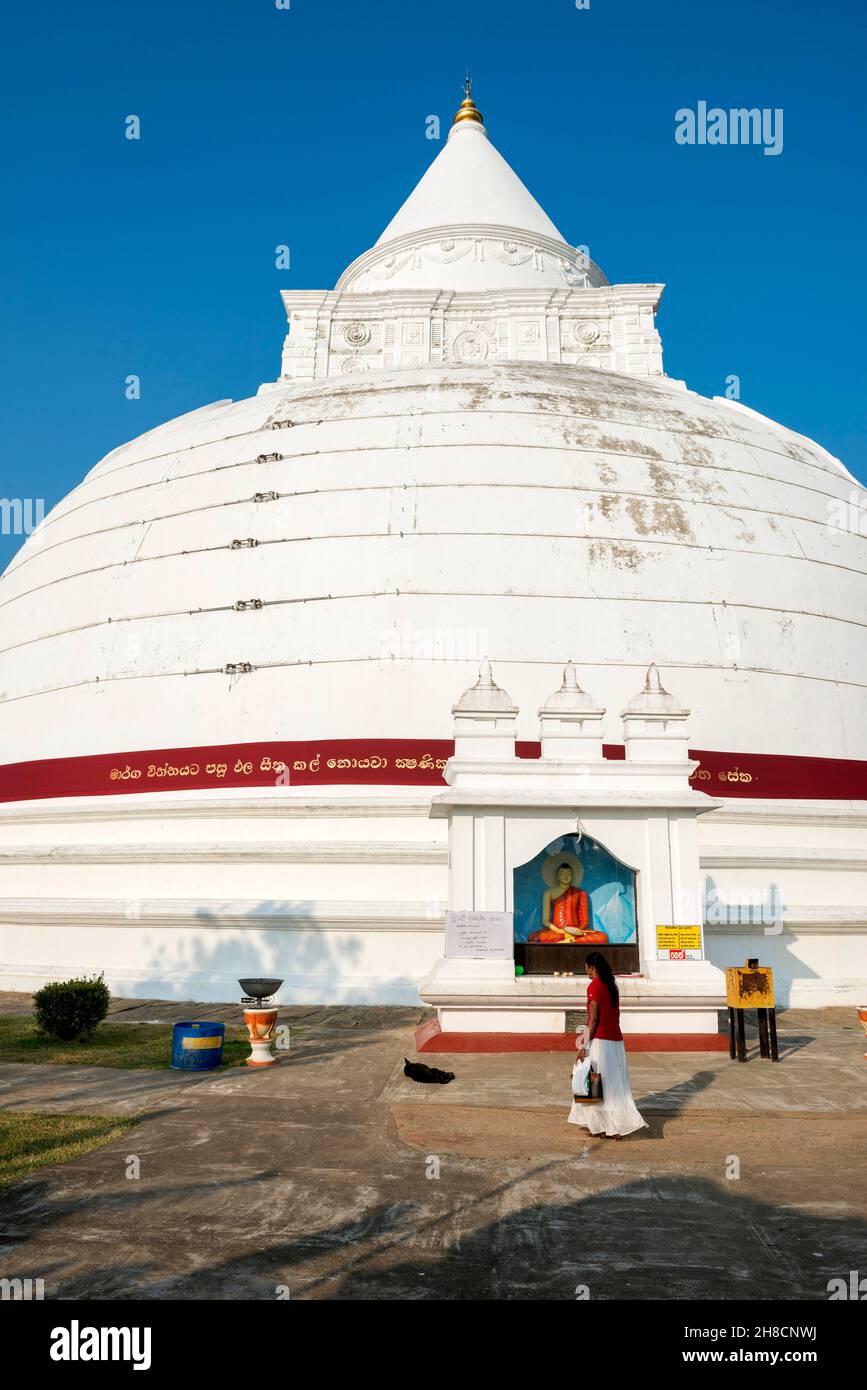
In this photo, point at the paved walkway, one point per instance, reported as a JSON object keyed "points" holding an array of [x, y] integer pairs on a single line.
{"points": [[335, 1176]]}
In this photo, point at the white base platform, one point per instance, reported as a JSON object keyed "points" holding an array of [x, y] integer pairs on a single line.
{"points": [[486, 997], [674, 1019]]}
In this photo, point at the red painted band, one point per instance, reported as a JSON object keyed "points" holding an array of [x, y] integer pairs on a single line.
{"points": [[386, 762]]}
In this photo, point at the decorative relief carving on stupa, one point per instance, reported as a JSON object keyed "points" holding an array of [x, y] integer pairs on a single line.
{"points": [[342, 332], [357, 346], [576, 272], [511, 253], [586, 333], [475, 341], [356, 334], [586, 336], [445, 252], [391, 265]]}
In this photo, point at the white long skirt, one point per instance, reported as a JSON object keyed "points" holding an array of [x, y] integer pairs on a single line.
{"points": [[617, 1114]]}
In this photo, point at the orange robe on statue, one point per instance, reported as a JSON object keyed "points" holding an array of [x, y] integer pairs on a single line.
{"points": [[572, 910]]}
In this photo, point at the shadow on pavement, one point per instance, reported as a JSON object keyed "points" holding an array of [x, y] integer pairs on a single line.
{"points": [[670, 1238]]}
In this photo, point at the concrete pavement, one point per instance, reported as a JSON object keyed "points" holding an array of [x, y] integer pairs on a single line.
{"points": [[334, 1176]]}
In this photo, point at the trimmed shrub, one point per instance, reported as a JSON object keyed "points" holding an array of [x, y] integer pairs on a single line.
{"points": [[71, 1009]]}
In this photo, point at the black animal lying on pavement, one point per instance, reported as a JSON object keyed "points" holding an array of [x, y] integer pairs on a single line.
{"points": [[417, 1071]]}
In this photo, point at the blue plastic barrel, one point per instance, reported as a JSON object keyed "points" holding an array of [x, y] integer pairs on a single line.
{"points": [[197, 1046]]}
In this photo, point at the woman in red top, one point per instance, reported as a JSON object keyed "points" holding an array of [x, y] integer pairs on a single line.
{"points": [[617, 1114]]}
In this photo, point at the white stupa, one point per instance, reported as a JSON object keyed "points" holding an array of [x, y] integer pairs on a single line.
{"points": [[471, 452]]}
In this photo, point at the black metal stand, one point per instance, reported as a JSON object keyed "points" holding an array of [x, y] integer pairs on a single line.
{"points": [[767, 1034]]}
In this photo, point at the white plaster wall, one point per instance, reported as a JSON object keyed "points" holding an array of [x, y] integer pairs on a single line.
{"points": [[811, 969], [201, 963], [812, 859], [176, 897]]}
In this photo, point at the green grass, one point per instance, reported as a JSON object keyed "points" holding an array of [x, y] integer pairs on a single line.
{"points": [[128, 1045], [31, 1140]]}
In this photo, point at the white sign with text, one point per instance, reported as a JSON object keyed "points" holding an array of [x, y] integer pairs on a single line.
{"points": [[480, 935]]}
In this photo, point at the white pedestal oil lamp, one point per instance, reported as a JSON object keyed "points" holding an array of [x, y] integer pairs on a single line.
{"points": [[261, 1018]]}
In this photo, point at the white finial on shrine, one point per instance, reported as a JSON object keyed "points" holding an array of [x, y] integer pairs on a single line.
{"points": [[570, 723], [654, 723], [484, 719]]}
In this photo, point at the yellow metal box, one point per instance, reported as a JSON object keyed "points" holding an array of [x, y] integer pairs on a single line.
{"points": [[749, 987]]}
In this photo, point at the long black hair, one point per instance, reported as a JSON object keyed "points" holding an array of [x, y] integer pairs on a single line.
{"points": [[605, 973]]}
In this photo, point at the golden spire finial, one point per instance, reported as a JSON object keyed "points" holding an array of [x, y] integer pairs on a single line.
{"points": [[468, 111]]}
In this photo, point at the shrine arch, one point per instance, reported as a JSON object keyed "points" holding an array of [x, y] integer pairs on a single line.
{"points": [[593, 907]]}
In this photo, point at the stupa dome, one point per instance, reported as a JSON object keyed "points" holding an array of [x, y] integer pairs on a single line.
{"points": [[361, 542]]}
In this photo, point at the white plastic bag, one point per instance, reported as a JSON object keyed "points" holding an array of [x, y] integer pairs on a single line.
{"points": [[581, 1078]]}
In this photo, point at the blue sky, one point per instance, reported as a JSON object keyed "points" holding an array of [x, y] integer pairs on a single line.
{"points": [[262, 126]]}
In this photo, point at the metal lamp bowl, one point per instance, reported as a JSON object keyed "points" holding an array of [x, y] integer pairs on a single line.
{"points": [[260, 989]]}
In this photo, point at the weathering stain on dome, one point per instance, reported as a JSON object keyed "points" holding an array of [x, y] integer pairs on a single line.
{"points": [[662, 478], [691, 451], [628, 446], [706, 483], [745, 535], [608, 474], [616, 555], [609, 504], [660, 519]]}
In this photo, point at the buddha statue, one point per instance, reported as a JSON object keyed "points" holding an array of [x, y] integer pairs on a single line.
{"points": [[566, 913]]}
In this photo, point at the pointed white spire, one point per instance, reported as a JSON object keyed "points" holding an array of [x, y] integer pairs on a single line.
{"points": [[654, 723], [570, 678], [469, 182], [485, 718], [570, 723], [485, 694], [570, 695]]}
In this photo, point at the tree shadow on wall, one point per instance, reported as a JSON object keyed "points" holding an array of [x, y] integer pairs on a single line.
{"points": [[733, 941], [309, 959], [279, 939]]}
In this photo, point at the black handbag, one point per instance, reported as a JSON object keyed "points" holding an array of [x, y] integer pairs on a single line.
{"points": [[594, 1093]]}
